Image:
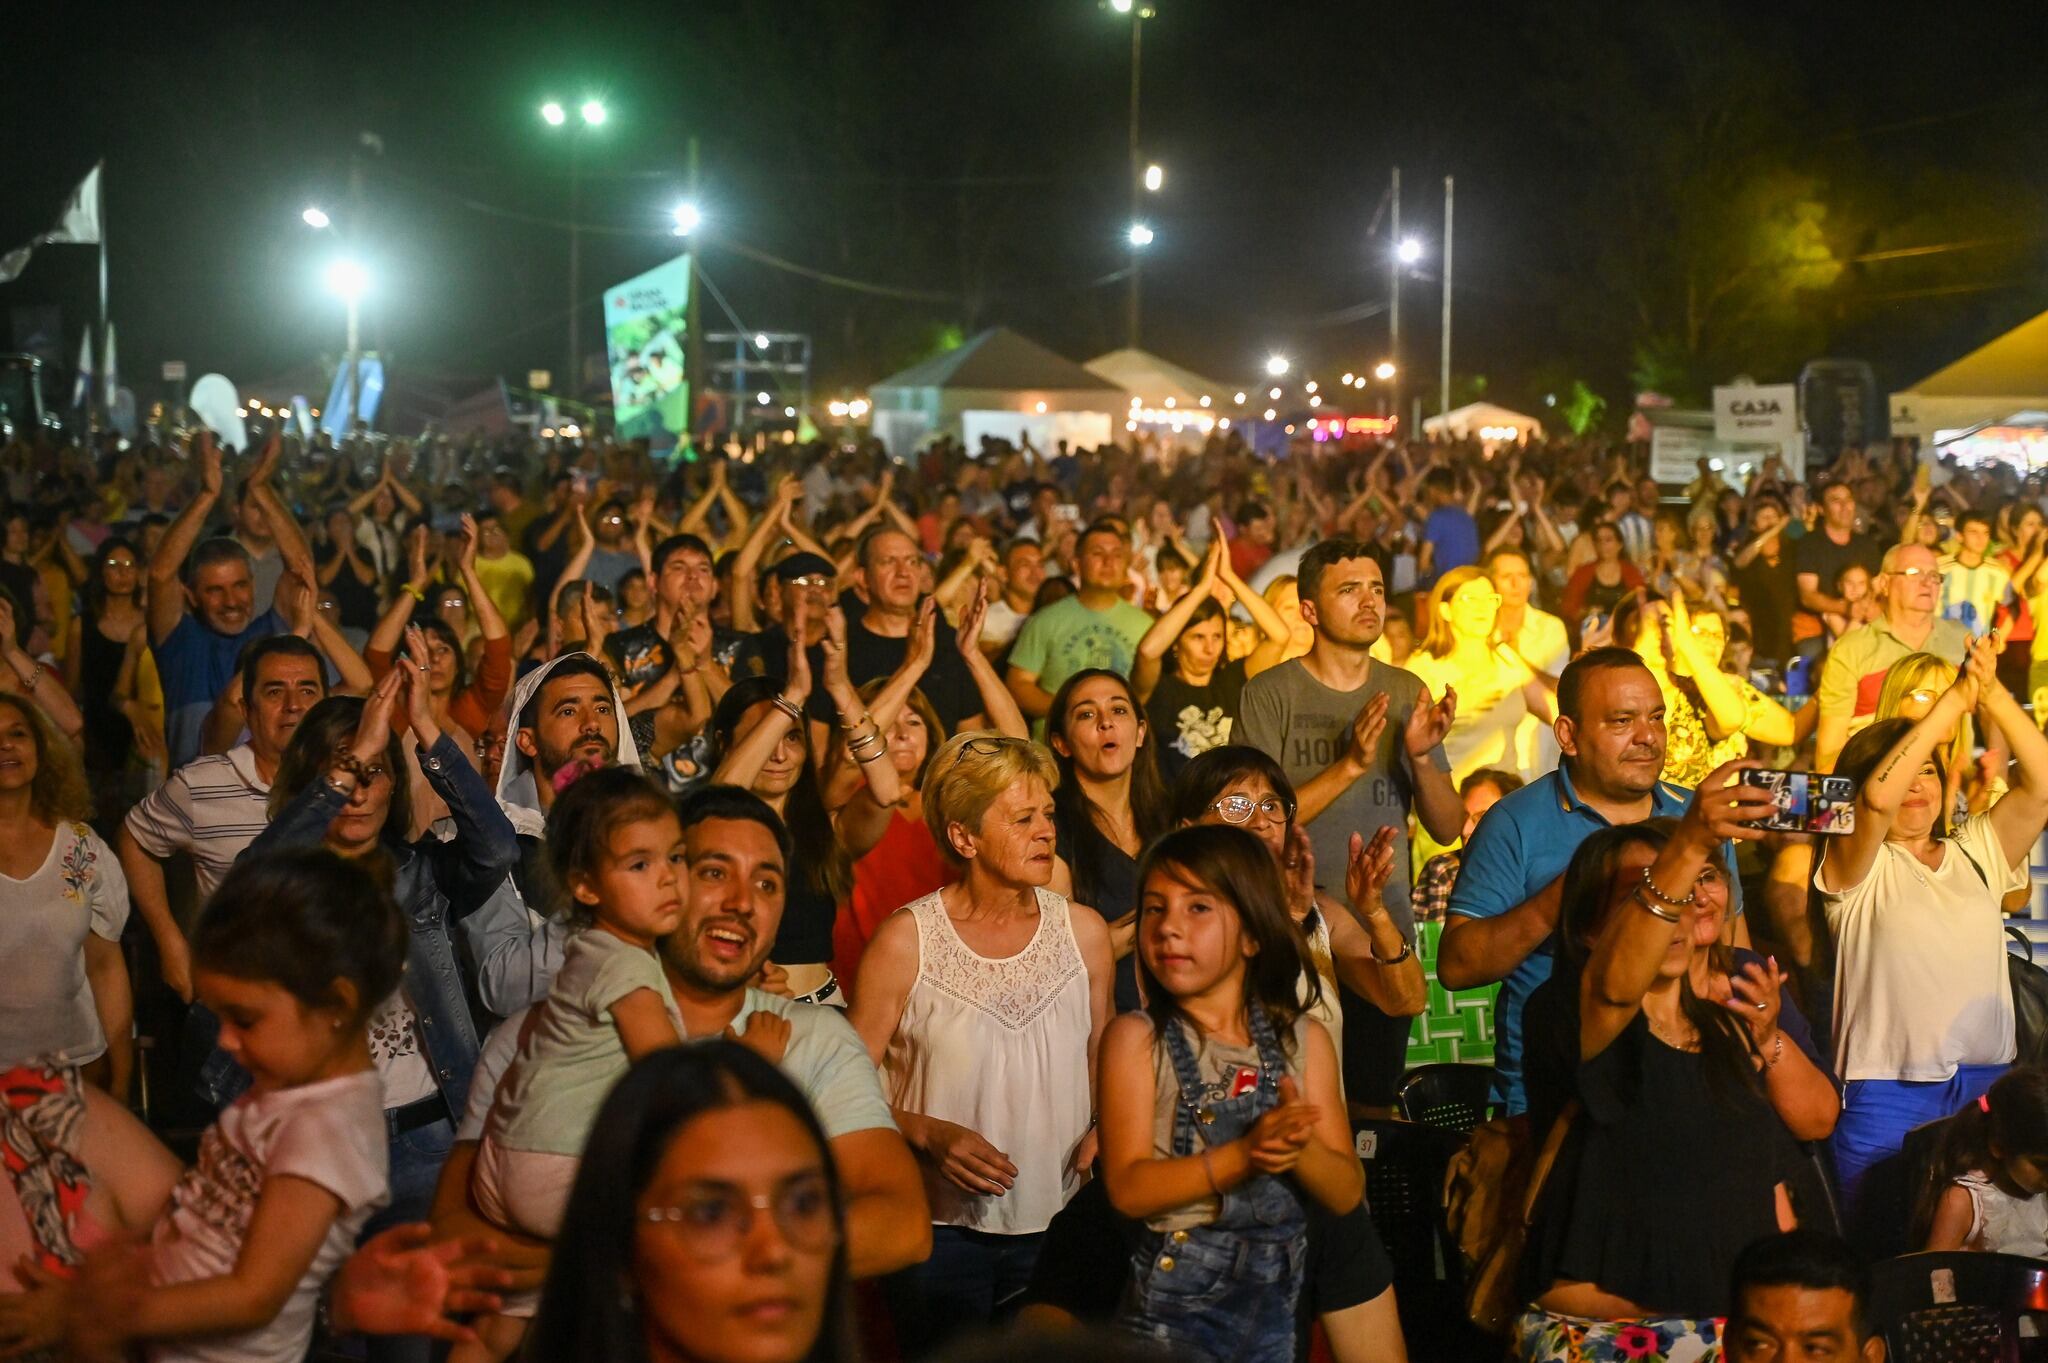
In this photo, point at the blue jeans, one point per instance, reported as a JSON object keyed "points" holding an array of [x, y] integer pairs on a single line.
{"points": [[1877, 1114], [972, 1279], [416, 1160]]}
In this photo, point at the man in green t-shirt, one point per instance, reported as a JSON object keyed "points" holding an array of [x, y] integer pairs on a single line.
{"points": [[1095, 627]]}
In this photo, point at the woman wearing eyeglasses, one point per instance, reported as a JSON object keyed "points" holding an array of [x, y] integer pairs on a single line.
{"points": [[1461, 650], [705, 1227], [983, 1004]]}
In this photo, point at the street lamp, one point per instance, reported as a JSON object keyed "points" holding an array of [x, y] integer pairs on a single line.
{"points": [[1276, 365], [349, 281], [316, 219], [1384, 370], [688, 219], [1140, 177], [1140, 235], [593, 114], [1409, 251]]}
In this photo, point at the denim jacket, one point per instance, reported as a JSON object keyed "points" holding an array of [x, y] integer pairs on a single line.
{"points": [[435, 882]]}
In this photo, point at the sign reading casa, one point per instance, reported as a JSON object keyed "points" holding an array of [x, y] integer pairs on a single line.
{"points": [[1756, 412]]}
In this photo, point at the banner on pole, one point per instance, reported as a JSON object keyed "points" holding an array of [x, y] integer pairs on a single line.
{"points": [[369, 389], [77, 225], [645, 331]]}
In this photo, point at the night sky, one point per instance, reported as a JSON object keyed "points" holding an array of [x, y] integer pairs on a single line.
{"points": [[976, 152]]}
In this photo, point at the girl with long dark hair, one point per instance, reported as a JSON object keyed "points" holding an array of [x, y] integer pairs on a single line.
{"points": [[102, 635], [1221, 1106], [705, 1225], [1110, 802]]}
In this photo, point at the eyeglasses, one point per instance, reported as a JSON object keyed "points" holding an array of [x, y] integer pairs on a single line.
{"points": [[811, 582], [985, 747], [1921, 697], [1237, 809], [713, 1224], [118, 563]]}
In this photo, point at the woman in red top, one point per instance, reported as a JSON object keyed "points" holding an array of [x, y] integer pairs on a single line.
{"points": [[1600, 585], [905, 865]]}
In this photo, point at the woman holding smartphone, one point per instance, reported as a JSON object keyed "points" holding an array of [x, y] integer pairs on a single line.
{"points": [[1924, 1018]]}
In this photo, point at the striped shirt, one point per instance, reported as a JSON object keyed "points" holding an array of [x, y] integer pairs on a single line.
{"points": [[209, 809]]}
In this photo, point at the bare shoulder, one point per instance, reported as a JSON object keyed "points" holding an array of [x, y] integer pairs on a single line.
{"points": [[1090, 928], [1128, 1034]]}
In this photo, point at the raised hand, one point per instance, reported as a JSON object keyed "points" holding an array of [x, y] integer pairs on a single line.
{"points": [[1367, 730], [1370, 866], [836, 683], [1756, 995], [798, 687], [416, 550], [1722, 808], [267, 461], [967, 634], [924, 637], [683, 649], [1427, 723], [373, 730], [1980, 665], [467, 562], [418, 692], [1298, 868], [209, 464]]}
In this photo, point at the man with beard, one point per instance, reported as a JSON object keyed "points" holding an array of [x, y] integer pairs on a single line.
{"points": [[1324, 717], [1502, 920], [213, 807], [202, 608], [565, 716], [738, 855]]}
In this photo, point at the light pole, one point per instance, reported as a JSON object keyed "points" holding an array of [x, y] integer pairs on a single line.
{"points": [[347, 280], [1140, 178], [1444, 400], [590, 114]]}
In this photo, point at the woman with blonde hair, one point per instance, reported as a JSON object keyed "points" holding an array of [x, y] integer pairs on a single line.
{"points": [[1910, 689], [1283, 596], [983, 1004], [1461, 649]]}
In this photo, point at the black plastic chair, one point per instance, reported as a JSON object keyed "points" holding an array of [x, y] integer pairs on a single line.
{"points": [[1959, 1307], [1450, 1096], [1404, 1179]]}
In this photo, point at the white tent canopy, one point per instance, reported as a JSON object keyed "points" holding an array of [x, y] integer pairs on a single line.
{"points": [[1000, 384], [1999, 378], [1153, 381], [1483, 421]]}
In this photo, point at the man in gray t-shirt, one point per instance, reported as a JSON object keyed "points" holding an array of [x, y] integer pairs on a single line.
{"points": [[1362, 743]]}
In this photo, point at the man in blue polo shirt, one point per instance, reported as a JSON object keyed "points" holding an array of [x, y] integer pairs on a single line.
{"points": [[1502, 918]]}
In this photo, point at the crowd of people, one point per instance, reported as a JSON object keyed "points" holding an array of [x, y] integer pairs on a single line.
{"points": [[787, 903]]}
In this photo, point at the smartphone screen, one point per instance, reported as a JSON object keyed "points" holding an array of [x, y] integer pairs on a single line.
{"points": [[1807, 802]]}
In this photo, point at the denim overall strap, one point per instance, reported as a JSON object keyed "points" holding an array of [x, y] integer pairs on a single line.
{"points": [[1262, 1200]]}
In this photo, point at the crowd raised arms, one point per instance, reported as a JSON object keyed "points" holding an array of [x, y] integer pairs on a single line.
{"points": [[1005, 875]]}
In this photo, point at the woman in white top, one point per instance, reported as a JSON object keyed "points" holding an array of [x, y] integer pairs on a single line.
{"points": [[1461, 650], [63, 901], [1923, 1005], [983, 1003]]}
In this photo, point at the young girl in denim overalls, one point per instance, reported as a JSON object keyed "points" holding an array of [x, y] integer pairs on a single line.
{"points": [[1220, 1105]]}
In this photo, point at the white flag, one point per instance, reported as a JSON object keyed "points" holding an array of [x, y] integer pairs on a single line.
{"points": [[83, 384], [78, 225], [80, 221]]}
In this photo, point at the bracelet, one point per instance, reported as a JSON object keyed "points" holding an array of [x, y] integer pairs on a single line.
{"points": [[1777, 1053], [1210, 1169], [414, 592], [1407, 950], [865, 718], [1643, 901], [1691, 893], [788, 707], [33, 677], [871, 739], [350, 763]]}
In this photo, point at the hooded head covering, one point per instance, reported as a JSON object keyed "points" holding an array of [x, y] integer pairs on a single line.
{"points": [[518, 794]]}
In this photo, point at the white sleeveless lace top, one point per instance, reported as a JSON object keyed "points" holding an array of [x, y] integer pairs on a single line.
{"points": [[2003, 1224], [1000, 1047]]}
